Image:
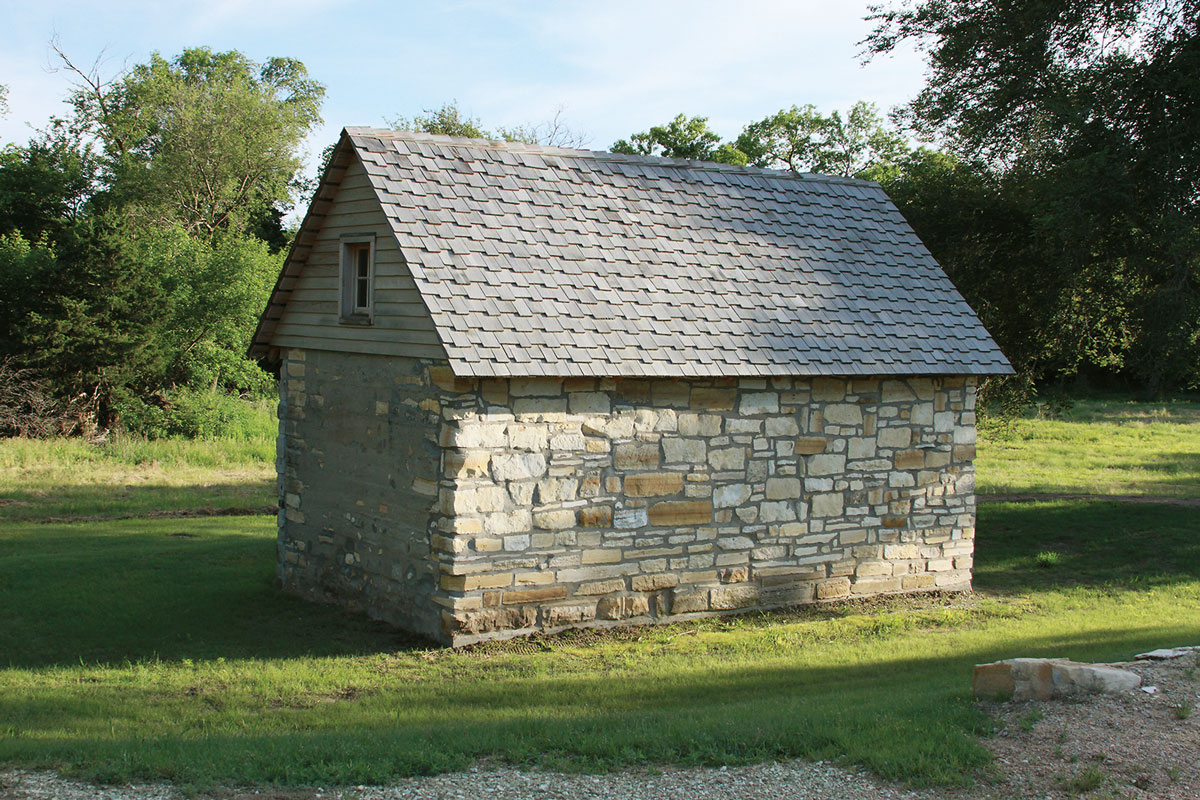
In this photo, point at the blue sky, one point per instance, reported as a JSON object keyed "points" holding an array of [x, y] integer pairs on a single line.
{"points": [[614, 67]]}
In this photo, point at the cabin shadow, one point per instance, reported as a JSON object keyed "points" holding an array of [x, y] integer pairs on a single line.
{"points": [[142, 590]]}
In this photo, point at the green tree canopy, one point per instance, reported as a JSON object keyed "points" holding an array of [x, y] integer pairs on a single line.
{"points": [[1088, 113], [802, 139], [682, 137], [206, 140]]}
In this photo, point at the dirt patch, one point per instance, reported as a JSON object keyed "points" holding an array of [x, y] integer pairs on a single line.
{"points": [[1149, 500], [1136, 744]]}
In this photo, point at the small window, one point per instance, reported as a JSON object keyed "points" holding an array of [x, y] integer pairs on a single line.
{"points": [[358, 275]]}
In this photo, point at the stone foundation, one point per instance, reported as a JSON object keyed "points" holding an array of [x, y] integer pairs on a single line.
{"points": [[581, 501]]}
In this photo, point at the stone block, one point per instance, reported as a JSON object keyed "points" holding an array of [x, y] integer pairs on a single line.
{"points": [[632, 391], [684, 451], [570, 614], [706, 425], [777, 511], [781, 426], [828, 504], [734, 494], [601, 555], [630, 518], [713, 399], [503, 522], [688, 601], [826, 464], [595, 516], [652, 583], [727, 459], [835, 587], [516, 542], [810, 445], [519, 465], [622, 607], [671, 393], [588, 403], [894, 436], [759, 403], [725, 598], [527, 437], [555, 519], [653, 484], [488, 620], [494, 391], [916, 582], [540, 578], [470, 583], [619, 426], [1049, 678], [477, 435], [826, 390], [783, 488], [910, 459], [445, 379], [536, 408], [600, 587], [869, 586], [681, 512], [579, 384], [635, 455], [535, 387], [556, 490], [735, 575], [476, 499], [843, 414], [538, 595]]}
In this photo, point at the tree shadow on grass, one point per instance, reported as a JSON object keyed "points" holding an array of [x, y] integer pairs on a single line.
{"points": [[904, 718], [1022, 547], [140, 590], [109, 501]]}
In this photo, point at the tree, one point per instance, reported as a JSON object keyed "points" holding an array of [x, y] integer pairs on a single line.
{"points": [[682, 137], [3, 100], [206, 140], [804, 140], [46, 185], [449, 120], [1089, 112]]}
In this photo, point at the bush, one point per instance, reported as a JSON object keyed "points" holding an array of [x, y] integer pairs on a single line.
{"points": [[195, 414]]}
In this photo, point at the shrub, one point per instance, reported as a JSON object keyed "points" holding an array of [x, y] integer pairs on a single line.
{"points": [[194, 414]]}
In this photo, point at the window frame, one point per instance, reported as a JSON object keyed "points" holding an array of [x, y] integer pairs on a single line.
{"points": [[350, 312]]}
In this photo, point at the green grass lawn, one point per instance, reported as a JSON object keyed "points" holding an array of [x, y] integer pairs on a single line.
{"points": [[160, 648], [129, 475], [1098, 447]]}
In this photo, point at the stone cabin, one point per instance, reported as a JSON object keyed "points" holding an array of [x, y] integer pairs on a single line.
{"points": [[526, 388]]}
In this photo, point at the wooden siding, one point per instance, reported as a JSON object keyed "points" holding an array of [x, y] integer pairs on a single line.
{"points": [[401, 325]]}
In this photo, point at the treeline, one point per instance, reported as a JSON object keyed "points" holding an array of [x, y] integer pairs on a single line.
{"points": [[1060, 189], [139, 240]]}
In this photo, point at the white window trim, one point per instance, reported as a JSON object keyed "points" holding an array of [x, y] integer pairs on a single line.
{"points": [[347, 278]]}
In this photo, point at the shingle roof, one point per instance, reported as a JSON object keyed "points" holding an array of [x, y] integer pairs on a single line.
{"points": [[544, 261]]}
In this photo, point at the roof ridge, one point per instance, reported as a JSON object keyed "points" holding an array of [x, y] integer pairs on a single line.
{"points": [[603, 155]]}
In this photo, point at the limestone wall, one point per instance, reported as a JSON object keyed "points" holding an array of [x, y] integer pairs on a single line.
{"points": [[598, 501], [468, 509], [359, 465]]}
